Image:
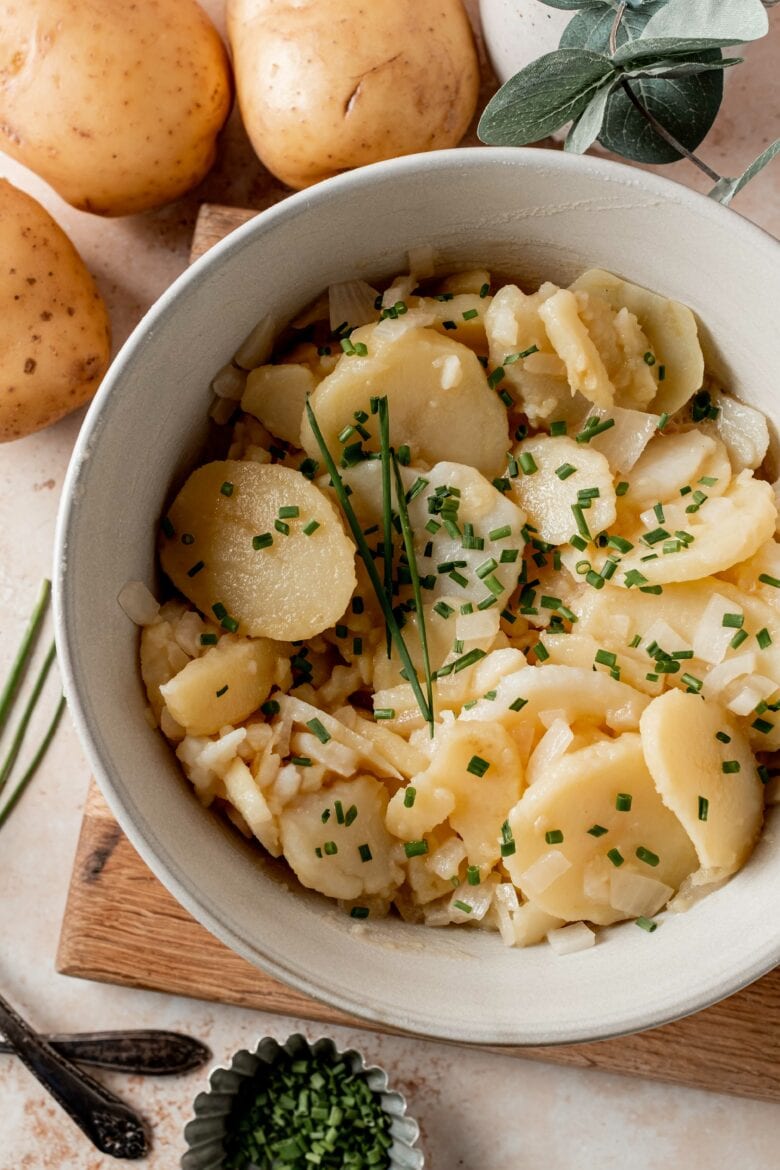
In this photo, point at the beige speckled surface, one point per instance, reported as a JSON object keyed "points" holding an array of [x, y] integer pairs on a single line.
{"points": [[477, 1111]]}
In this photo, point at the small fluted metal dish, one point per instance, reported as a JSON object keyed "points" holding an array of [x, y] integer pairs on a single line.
{"points": [[205, 1134]]}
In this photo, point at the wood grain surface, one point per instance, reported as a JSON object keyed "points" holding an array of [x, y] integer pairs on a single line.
{"points": [[122, 926]]}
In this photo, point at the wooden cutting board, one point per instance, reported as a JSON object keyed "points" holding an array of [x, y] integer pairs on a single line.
{"points": [[122, 926]]}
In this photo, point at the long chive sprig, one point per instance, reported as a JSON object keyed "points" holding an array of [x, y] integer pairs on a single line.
{"points": [[385, 602], [21, 727], [406, 531], [387, 516], [26, 646], [34, 764]]}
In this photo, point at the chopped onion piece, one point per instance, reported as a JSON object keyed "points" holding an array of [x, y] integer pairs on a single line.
{"points": [[554, 743], [544, 871], [568, 939], [138, 603], [623, 443], [300, 712], [720, 676], [479, 898], [711, 638], [506, 896], [748, 697], [697, 886], [400, 290], [444, 862], [437, 913], [634, 894], [335, 756], [422, 261], [249, 800], [256, 348], [664, 636], [229, 382], [506, 926], [352, 301], [394, 327]]}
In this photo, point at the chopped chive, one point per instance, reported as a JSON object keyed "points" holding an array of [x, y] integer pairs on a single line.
{"points": [[263, 540], [350, 816], [606, 658], [656, 535], [692, 682], [495, 377], [616, 857], [473, 875], [280, 526], [226, 488], [477, 766], [339, 809], [500, 533], [518, 704], [662, 373], [219, 610], [208, 639], [649, 358], [597, 830], [449, 325], [330, 848], [485, 289], [740, 637], [221, 691], [565, 470], [470, 314], [357, 646], [578, 543], [647, 856], [419, 485], [410, 794], [355, 912], [646, 924], [767, 580], [659, 513], [654, 589], [590, 432], [415, 848], [458, 578], [187, 538], [621, 488], [310, 528], [230, 624], [559, 427], [553, 837], [623, 802], [196, 568], [704, 808], [762, 725], [270, 708], [384, 713], [527, 463], [580, 521], [662, 421], [508, 846], [365, 853], [595, 580], [723, 736], [289, 512], [733, 621], [167, 526], [463, 906], [764, 638], [317, 728], [731, 767], [485, 568], [541, 652], [509, 556]]}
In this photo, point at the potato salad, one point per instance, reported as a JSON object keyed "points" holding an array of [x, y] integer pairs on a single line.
{"points": [[476, 622]]}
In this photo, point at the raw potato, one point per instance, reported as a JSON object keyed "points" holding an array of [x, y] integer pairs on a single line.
{"points": [[297, 587], [464, 424], [670, 328], [686, 761], [276, 395], [548, 499], [117, 106], [54, 332], [475, 806], [225, 685], [580, 791], [342, 874], [323, 88]]}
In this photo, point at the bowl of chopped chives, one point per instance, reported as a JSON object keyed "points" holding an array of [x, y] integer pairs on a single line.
{"points": [[296, 1104]]}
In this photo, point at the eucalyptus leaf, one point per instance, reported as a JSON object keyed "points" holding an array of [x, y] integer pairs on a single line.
{"points": [[542, 97], [587, 128], [672, 68], [591, 29], [685, 106], [725, 21], [725, 190]]}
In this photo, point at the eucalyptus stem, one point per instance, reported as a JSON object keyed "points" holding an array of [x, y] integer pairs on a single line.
{"points": [[19, 664], [659, 128], [21, 728], [34, 764]]}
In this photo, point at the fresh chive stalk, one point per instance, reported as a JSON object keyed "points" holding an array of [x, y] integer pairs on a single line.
{"points": [[26, 646], [408, 539]]}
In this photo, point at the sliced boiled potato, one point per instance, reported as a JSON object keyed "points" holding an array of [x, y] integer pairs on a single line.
{"points": [[624, 442], [326, 854], [574, 692], [161, 658], [452, 789], [725, 530], [465, 311], [668, 463], [670, 329], [225, 685], [472, 280], [296, 587], [548, 499], [622, 346], [711, 786], [276, 395], [571, 340], [581, 791], [466, 423]]}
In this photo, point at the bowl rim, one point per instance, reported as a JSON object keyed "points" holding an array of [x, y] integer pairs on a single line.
{"points": [[156, 857]]}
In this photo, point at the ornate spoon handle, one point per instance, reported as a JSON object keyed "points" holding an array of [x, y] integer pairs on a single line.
{"points": [[145, 1052], [110, 1125]]}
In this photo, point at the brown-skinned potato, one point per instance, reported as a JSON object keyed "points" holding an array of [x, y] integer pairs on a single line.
{"points": [[116, 105], [329, 86], [54, 330]]}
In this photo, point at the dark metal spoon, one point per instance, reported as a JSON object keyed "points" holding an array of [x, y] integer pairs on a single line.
{"points": [[148, 1052], [110, 1125]]}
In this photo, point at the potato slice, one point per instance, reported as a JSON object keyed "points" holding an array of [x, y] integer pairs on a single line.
{"points": [[466, 311], [572, 342], [466, 423], [548, 499], [453, 789], [580, 792], [725, 530], [743, 430], [670, 328], [690, 766], [276, 395], [308, 837], [296, 587], [668, 463], [225, 685]]}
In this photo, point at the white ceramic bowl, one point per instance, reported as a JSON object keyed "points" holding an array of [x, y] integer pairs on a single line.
{"points": [[532, 213]]}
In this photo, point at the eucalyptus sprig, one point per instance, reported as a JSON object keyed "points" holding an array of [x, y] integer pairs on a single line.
{"points": [[643, 77]]}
